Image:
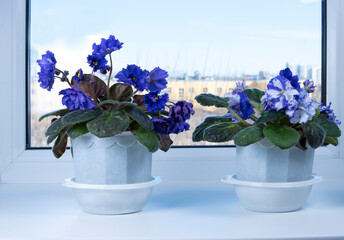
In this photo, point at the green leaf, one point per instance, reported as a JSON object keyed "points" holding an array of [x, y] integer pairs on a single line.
{"points": [[270, 116], [114, 102], [148, 138], [314, 134], [331, 128], [254, 94], [60, 112], [165, 142], [283, 137], [331, 140], [60, 144], [248, 136], [91, 85], [221, 132], [258, 106], [77, 130], [207, 99], [197, 135], [54, 128], [79, 116], [121, 92], [109, 124], [51, 138], [140, 117]]}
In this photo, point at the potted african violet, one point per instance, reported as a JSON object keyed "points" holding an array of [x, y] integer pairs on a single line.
{"points": [[114, 129], [276, 132]]}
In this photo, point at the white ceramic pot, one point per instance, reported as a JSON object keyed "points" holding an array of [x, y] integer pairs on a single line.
{"points": [[120, 159]]}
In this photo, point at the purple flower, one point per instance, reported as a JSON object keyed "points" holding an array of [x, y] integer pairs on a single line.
{"points": [[109, 45], [181, 111], [133, 75], [309, 86], [329, 112], [168, 125], [46, 75], [240, 87], [154, 102], [157, 80], [78, 75], [97, 62], [294, 80], [279, 92], [302, 108], [240, 105], [74, 99]]}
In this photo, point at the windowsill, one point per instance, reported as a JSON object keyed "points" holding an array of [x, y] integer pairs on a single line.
{"points": [[174, 211]]}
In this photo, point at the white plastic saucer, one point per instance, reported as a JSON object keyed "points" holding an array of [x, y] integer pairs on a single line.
{"points": [[272, 197], [112, 199]]}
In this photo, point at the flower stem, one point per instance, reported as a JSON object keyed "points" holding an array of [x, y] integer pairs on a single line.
{"points": [[237, 117], [108, 83], [67, 80]]}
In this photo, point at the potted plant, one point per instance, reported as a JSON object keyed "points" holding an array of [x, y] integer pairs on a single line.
{"points": [[276, 132], [114, 129]]}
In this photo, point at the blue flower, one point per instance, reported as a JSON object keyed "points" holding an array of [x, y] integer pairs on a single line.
{"points": [[240, 104], [294, 80], [240, 87], [181, 111], [279, 92], [78, 75], [46, 75], [109, 45], [154, 102], [329, 112], [133, 75], [309, 86], [168, 125], [157, 80], [302, 108], [74, 99], [97, 62]]}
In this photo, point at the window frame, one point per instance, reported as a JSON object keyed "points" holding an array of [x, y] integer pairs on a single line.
{"points": [[19, 164]]}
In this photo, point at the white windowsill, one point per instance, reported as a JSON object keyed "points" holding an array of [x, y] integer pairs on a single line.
{"points": [[174, 211]]}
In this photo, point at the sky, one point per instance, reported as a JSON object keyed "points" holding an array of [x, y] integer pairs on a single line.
{"points": [[225, 37]]}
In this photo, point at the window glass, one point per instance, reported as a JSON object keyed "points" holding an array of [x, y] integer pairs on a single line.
{"points": [[206, 46]]}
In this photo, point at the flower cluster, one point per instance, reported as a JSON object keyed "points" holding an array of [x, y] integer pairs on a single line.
{"points": [[329, 113], [284, 93], [46, 75], [74, 99]]}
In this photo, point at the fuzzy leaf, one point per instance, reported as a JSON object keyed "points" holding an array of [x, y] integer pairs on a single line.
{"points": [[55, 127], [254, 94], [248, 136], [77, 130], [221, 132], [109, 123], [60, 112], [197, 135], [331, 140], [208, 99], [51, 138], [60, 144], [79, 116], [121, 92], [114, 102], [148, 138], [331, 128], [283, 137], [270, 116], [165, 142], [91, 85], [314, 134], [140, 117]]}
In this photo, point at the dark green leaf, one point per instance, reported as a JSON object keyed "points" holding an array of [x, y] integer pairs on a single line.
{"points": [[60, 144], [79, 116], [283, 137], [109, 124], [77, 130], [331, 140], [51, 138], [314, 134], [165, 142], [270, 116], [91, 85], [60, 112], [54, 128], [331, 128], [221, 132], [207, 99], [248, 136], [121, 92], [254, 94], [258, 106], [140, 117], [197, 135], [114, 102], [148, 138]]}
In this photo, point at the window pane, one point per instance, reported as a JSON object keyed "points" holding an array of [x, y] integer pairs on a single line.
{"points": [[206, 46]]}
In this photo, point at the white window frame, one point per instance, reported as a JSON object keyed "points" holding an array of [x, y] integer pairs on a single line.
{"points": [[18, 165]]}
